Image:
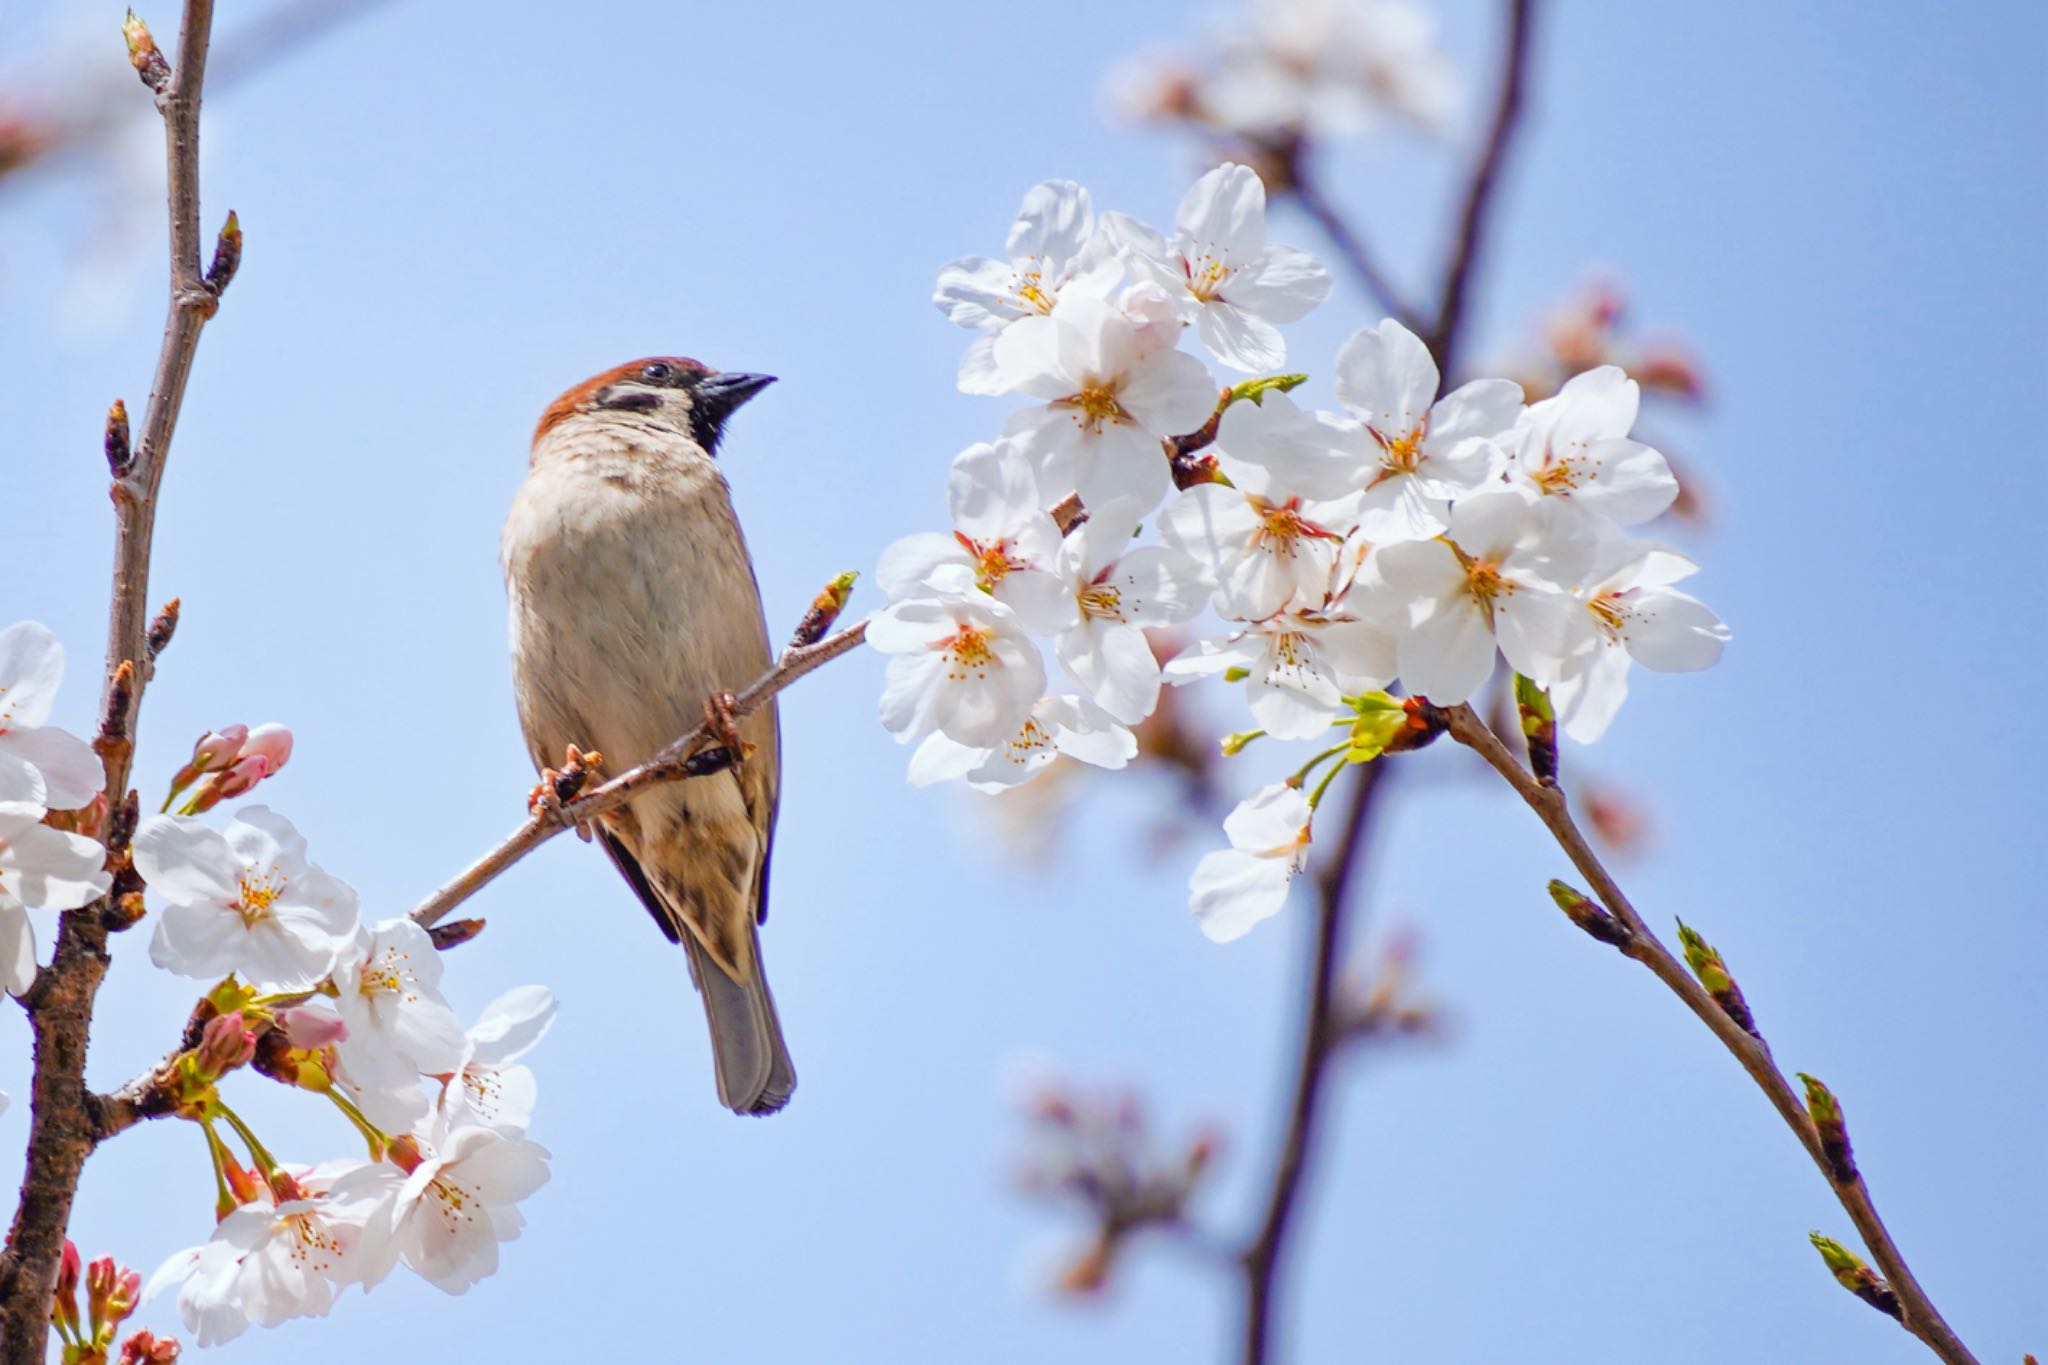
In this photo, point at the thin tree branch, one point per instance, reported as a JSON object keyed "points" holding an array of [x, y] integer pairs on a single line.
{"points": [[1321, 1039], [61, 999], [1548, 801], [149, 1095], [1350, 247], [670, 765], [1470, 242]]}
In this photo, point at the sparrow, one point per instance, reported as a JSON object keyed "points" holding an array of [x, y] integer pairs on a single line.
{"points": [[634, 611]]}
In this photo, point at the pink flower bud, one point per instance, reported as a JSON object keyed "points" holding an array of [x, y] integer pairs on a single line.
{"points": [[68, 1269], [405, 1152], [218, 748], [127, 1293], [145, 1348], [272, 741], [225, 1044], [99, 1284], [243, 776], [311, 1026], [243, 1183], [64, 1303]]}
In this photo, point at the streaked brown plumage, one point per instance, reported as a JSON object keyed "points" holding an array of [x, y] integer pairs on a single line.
{"points": [[633, 601]]}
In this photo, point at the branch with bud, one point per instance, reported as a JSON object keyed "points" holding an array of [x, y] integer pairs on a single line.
{"points": [[1700, 979]]}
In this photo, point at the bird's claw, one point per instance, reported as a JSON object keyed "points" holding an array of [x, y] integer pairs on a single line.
{"points": [[722, 723], [558, 786]]}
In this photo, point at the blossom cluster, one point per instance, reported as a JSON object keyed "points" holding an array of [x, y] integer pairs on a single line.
{"points": [[352, 1011], [1407, 539], [304, 992]]}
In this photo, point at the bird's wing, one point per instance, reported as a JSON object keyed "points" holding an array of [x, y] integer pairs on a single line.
{"points": [[761, 788], [629, 868]]}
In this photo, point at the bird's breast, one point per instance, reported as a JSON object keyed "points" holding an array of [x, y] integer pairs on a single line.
{"points": [[632, 599]]}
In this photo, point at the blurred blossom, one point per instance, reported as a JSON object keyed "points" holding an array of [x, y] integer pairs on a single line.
{"points": [[1593, 327], [1284, 69], [1619, 819], [1096, 1153]]}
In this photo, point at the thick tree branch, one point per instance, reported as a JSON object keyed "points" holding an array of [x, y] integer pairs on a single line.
{"points": [[1548, 801], [61, 1122], [672, 764], [1468, 246], [1321, 1040]]}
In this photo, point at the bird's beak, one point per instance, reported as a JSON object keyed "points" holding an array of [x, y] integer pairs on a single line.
{"points": [[721, 393]]}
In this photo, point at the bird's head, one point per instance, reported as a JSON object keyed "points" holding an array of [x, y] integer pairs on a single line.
{"points": [[668, 390]]}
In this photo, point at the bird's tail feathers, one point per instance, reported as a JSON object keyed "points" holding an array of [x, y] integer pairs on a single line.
{"points": [[755, 1075]]}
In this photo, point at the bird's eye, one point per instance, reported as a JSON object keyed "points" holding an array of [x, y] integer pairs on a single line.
{"points": [[657, 372]]}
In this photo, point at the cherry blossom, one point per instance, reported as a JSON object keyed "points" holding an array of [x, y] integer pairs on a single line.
{"points": [[1234, 888], [1111, 594], [1002, 534], [1112, 387], [270, 1261], [246, 901], [39, 866], [1631, 611], [31, 669], [1415, 453], [1331, 66], [963, 665], [49, 869], [1227, 278], [1574, 447], [1491, 580], [453, 1209], [387, 991], [490, 1088], [17, 947], [1270, 539], [1057, 725], [1297, 667], [1052, 243]]}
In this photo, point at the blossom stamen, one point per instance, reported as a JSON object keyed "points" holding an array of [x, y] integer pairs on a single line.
{"points": [[966, 652], [1098, 404]]}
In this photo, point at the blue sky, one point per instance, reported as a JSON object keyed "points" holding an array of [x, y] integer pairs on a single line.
{"points": [[452, 216]]}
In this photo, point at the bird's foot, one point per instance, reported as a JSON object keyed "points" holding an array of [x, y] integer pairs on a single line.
{"points": [[557, 786], [722, 726]]}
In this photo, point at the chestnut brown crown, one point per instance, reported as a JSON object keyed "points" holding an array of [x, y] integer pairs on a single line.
{"points": [[671, 390]]}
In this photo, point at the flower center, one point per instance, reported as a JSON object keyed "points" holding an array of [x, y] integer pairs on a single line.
{"points": [[1206, 275], [389, 973], [311, 1247], [256, 891], [1290, 652], [968, 652], [1099, 600], [1097, 402], [1030, 287], [1483, 579], [991, 560], [1558, 476], [1609, 612], [1032, 739], [1281, 524], [455, 1204], [1484, 583], [1400, 454]]}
